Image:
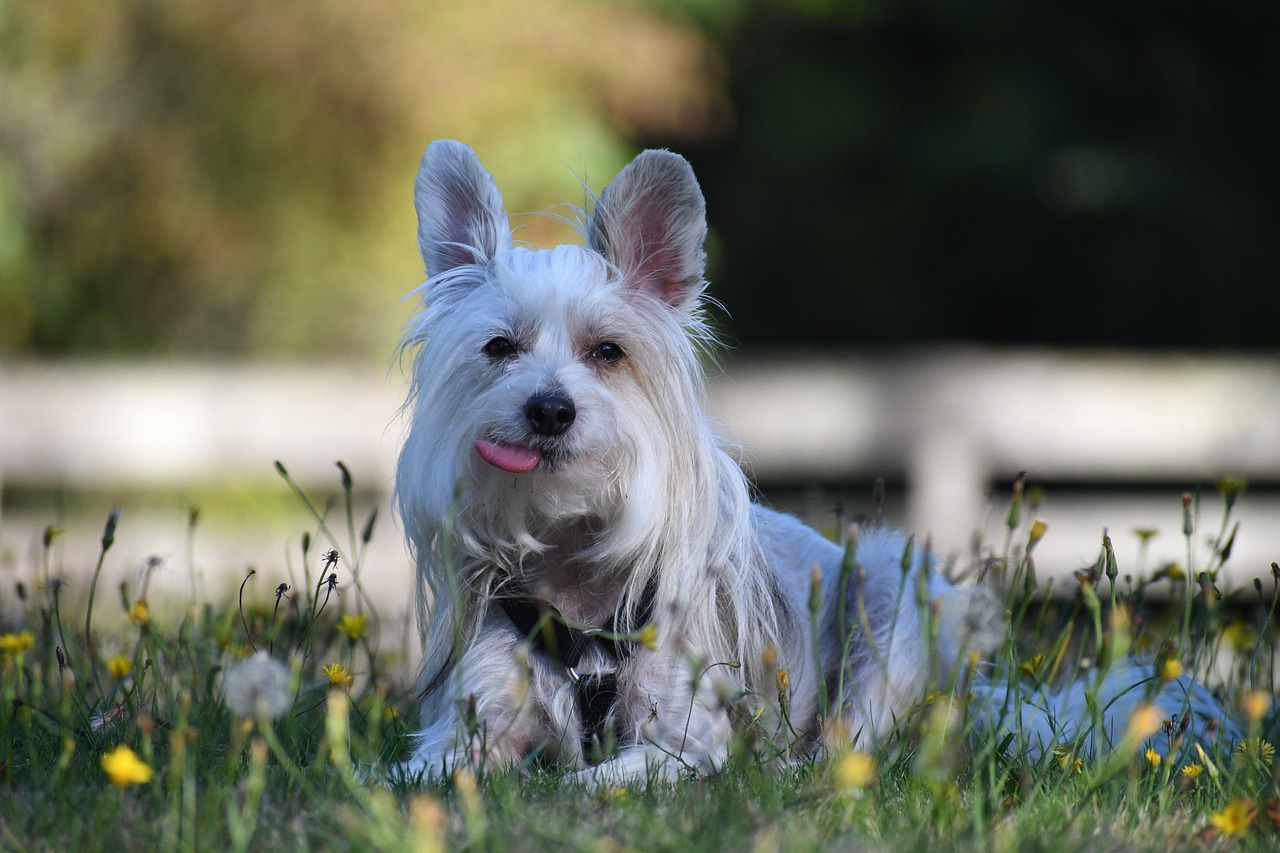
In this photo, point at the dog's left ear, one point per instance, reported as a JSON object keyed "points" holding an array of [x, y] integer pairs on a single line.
{"points": [[651, 222]]}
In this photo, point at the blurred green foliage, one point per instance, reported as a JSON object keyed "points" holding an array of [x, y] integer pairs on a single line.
{"points": [[234, 177], [1083, 173]]}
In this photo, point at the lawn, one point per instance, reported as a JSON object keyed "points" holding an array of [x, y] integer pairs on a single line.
{"points": [[260, 722]]}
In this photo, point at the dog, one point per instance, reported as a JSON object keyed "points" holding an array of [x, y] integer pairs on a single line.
{"points": [[597, 590]]}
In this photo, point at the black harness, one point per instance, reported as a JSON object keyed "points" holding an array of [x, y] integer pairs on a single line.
{"points": [[548, 632]]}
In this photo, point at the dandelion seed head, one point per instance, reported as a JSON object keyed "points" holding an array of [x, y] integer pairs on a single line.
{"points": [[257, 686], [971, 618]]}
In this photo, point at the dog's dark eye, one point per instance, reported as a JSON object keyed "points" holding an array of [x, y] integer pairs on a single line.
{"points": [[608, 352], [500, 348]]}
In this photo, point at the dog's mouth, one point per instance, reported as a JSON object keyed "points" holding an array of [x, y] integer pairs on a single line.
{"points": [[509, 457]]}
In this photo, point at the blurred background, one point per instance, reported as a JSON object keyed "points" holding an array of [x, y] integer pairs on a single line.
{"points": [[956, 241]]}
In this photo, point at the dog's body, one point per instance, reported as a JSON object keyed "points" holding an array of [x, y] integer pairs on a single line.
{"points": [[560, 461]]}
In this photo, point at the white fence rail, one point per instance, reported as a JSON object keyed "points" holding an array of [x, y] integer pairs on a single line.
{"points": [[947, 422]]}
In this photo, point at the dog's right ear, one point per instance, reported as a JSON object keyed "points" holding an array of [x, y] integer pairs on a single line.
{"points": [[461, 219]]}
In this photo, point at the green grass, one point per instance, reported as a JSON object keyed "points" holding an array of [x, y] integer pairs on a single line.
{"points": [[228, 779]]}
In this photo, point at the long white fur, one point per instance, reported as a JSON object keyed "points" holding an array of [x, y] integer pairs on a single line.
{"points": [[641, 490]]}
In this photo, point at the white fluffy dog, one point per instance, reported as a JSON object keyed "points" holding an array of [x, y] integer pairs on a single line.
{"points": [[597, 590]]}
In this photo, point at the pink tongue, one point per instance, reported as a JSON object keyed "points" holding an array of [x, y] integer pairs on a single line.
{"points": [[517, 460]]}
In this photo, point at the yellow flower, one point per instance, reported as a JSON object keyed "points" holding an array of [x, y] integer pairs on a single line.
{"points": [[782, 680], [1235, 818], [140, 612], [1256, 749], [1239, 636], [649, 636], [124, 768], [1067, 760], [1170, 669], [354, 626], [1039, 528], [1255, 704], [119, 666], [1191, 771], [1153, 757], [16, 644], [1032, 665], [339, 675], [855, 769], [390, 714], [1144, 722]]}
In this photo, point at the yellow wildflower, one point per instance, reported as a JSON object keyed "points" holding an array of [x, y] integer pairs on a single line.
{"points": [[1032, 665], [16, 644], [1144, 722], [140, 612], [1255, 704], [855, 769], [1145, 534], [1170, 668], [1067, 760], [1236, 817], [1239, 636], [1153, 757], [1256, 749], [339, 675], [119, 666], [354, 626], [782, 680], [1039, 528], [1191, 771], [649, 636], [124, 768]]}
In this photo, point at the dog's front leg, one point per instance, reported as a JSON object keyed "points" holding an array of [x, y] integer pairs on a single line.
{"points": [[675, 724], [482, 716]]}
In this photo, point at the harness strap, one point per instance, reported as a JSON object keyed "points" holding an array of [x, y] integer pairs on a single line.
{"points": [[549, 633]]}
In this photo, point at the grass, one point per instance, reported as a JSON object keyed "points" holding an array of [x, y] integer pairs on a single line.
{"points": [[224, 751]]}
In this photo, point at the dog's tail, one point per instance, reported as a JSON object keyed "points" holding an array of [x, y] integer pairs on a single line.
{"points": [[1127, 708]]}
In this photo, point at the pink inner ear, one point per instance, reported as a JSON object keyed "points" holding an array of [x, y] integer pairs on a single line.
{"points": [[655, 265]]}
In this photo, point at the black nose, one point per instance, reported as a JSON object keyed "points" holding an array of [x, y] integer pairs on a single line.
{"points": [[550, 414]]}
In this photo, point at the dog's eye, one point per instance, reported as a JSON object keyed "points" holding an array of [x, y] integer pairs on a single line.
{"points": [[608, 352], [500, 348]]}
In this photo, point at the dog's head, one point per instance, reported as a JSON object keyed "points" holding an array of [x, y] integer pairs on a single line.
{"points": [[554, 383]]}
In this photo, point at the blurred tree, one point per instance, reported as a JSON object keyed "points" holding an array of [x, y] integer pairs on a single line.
{"points": [[1082, 173], [234, 176]]}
